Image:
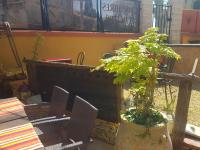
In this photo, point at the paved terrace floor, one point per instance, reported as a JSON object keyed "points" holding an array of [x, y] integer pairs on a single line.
{"points": [[52, 138], [96, 145]]}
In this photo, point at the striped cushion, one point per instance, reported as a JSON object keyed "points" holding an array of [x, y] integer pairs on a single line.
{"points": [[11, 105], [21, 137], [11, 109]]}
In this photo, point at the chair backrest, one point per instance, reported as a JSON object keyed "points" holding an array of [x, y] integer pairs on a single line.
{"points": [[59, 100], [170, 64], [82, 120], [107, 55]]}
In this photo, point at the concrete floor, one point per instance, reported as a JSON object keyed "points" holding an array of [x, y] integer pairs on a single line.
{"points": [[95, 145], [100, 145]]}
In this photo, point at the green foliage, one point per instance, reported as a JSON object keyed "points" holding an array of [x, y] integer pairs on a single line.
{"points": [[169, 107], [2, 69], [138, 62], [38, 43], [153, 118]]}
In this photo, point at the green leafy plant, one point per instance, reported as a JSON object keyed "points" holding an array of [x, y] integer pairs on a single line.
{"points": [[2, 69], [38, 43], [169, 107], [138, 62]]}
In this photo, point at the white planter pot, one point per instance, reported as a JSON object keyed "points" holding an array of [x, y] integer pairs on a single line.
{"points": [[170, 123], [128, 137]]}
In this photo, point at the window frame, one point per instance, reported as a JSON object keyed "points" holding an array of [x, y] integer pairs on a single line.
{"points": [[45, 26]]}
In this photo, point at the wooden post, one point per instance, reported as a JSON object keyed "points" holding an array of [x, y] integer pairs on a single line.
{"points": [[182, 106], [181, 115]]}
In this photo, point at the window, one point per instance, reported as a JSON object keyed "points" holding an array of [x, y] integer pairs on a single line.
{"points": [[72, 15], [196, 4], [78, 15], [120, 16], [21, 14]]}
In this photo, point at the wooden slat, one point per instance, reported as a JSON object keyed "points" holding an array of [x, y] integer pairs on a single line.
{"points": [[180, 76]]}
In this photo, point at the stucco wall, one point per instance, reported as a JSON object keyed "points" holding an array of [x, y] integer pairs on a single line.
{"points": [[190, 38], [188, 53], [63, 45], [177, 9], [69, 44], [146, 15]]}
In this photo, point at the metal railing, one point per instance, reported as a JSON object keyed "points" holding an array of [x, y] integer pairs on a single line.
{"points": [[162, 17]]}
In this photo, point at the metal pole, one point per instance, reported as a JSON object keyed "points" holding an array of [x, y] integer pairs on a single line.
{"points": [[7, 29]]}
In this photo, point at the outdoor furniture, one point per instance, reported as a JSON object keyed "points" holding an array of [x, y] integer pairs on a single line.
{"points": [[107, 55], [96, 87], [11, 109], [60, 60], [58, 101], [69, 133], [167, 68], [57, 106], [16, 132]]}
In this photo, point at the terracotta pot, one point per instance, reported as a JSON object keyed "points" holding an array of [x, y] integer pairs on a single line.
{"points": [[129, 137]]}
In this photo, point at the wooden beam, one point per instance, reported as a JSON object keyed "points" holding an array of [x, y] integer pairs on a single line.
{"points": [[181, 115], [180, 77]]}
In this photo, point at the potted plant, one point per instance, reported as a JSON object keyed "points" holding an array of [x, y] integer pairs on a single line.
{"points": [[37, 44], [142, 127]]}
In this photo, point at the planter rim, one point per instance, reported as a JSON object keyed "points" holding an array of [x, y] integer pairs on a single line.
{"points": [[123, 119]]}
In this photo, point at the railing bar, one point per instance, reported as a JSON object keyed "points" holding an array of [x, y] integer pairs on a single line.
{"points": [[161, 17], [170, 20]]}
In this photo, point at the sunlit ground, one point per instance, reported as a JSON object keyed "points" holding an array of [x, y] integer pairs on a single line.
{"points": [[194, 108]]}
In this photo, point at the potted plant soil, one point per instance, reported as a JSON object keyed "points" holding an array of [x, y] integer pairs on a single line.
{"points": [[142, 126]]}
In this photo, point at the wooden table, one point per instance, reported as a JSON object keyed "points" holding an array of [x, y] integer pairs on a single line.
{"points": [[16, 132]]}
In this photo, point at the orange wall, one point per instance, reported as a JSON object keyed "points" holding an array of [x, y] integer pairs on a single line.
{"points": [[187, 38], [63, 45], [191, 21], [68, 44], [188, 53]]}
